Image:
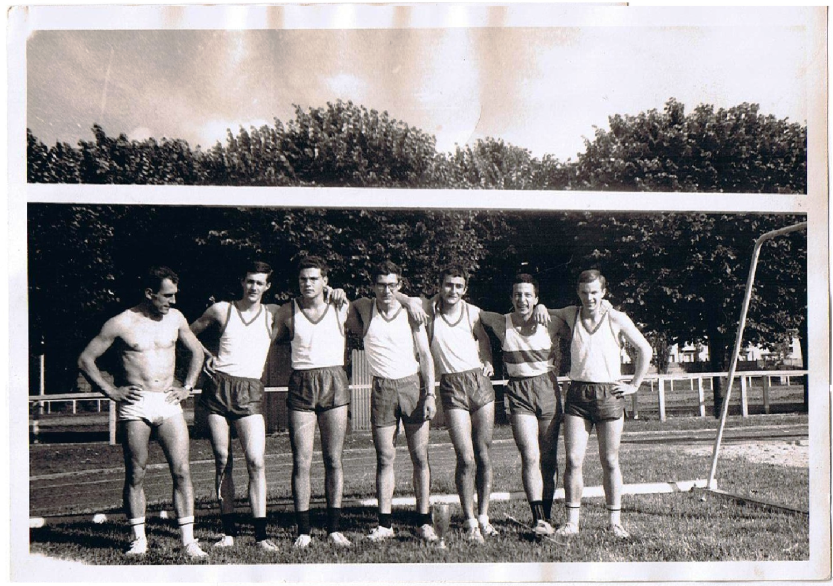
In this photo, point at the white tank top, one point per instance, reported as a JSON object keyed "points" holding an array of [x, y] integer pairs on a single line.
{"points": [[318, 344], [389, 345], [453, 345], [526, 356], [244, 346], [595, 356]]}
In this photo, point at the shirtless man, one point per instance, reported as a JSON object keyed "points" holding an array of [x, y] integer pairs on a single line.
{"points": [[319, 393], [233, 395], [148, 397], [596, 393], [398, 353], [463, 355], [533, 392]]}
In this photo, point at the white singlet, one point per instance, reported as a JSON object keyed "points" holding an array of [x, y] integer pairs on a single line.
{"points": [[526, 356], [389, 345], [318, 344], [453, 345], [595, 356], [244, 346]]}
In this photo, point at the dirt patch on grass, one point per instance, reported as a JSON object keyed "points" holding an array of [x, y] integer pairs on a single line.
{"points": [[793, 454]]}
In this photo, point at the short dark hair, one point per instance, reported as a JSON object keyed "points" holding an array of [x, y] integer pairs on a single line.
{"points": [[526, 278], [154, 276], [385, 268], [258, 266], [454, 271], [314, 262], [591, 275]]}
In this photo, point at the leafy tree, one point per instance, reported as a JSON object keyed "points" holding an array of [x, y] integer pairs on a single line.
{"points": [[728, 150]]}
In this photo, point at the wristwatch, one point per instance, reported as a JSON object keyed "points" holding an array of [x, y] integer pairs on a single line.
{"points": [[189, 388]]}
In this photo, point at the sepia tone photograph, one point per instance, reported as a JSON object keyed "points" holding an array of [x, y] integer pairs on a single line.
{"points": [[577, 256]]}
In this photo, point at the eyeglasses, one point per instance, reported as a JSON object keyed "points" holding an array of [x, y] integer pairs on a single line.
{"points": [[386, 286]]}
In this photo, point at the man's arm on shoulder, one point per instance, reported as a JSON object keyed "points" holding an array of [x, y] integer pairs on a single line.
{"points": [[282, 319], [418, 308], [358, 315], [495, 322]]}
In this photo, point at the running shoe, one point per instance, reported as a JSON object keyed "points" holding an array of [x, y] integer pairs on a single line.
{"points": [[426, 532], [193, 550], [567, 530], [267, 545], [302, 541], [619, 531], [338, 539], [224, 541], [542, 528], [473, 535], [137, 547], [381, 533]]}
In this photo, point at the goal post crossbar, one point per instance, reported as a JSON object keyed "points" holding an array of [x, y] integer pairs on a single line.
{"points": [[750, 282]]}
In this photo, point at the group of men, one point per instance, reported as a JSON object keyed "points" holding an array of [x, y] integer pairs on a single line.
{"points": [[409, 342]]}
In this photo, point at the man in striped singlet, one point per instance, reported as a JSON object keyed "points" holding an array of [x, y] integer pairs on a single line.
{"points": [[398, 353], [463, 355], [233, 395], [596, 393], [534, 402], [318, 393], [148, 397]]}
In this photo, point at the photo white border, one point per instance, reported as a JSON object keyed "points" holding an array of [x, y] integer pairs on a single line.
{"points": [[814, 204]]}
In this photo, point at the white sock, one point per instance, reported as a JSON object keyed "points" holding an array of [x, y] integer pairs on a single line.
{"points": [[483, 519], [615, 515], [186, 527], [573, 514], [137, 525]]}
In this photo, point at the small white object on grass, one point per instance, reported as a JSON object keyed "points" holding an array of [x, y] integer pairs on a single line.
{"points": [[163, 514], [99, 518], [36, 522]]}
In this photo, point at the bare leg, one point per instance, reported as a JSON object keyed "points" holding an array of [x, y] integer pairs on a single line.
{"points": [[548, 446], [223, 461], [525, 431], [173, 437], [302, 436], [383, 440], [483, 423], [417, 436], [135, 449], [576, 434], [610, 437], [333, 427], [252, 433], [460, 430]]}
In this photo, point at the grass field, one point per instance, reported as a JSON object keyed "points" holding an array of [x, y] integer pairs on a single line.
{"points": [[671, 527]]}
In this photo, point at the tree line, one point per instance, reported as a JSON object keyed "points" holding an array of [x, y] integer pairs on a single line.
{"points": [[735, 149]]}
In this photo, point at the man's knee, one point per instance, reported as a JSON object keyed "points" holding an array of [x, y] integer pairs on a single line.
{"points": [[332, 462], [610, 462]]}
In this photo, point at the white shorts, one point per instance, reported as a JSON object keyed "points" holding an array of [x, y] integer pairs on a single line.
{"points": [[152, 408]]}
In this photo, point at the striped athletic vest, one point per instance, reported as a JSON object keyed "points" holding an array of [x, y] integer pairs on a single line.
{"points": [[526, 356]]}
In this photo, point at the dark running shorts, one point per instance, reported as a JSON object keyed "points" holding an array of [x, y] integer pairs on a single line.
{"points": [[232, 396], [534, 395], [392, 399], [469, 390], [318, 389], [594, 402]]}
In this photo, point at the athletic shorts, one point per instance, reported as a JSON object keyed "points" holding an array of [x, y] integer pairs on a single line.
{"points": [[152, 408], [535, 395], [594, 401], [469, 390], [318, 389], [395, 399], [232, 396]]}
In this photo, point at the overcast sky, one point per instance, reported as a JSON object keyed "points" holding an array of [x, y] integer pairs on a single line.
{"points": [[542, 89]]}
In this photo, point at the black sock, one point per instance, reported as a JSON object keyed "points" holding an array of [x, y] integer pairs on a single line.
{"points": [[385, 520], [260, 528], [537, 510], [333, 519], [229, 524], [302, 519], [547, 508]]}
